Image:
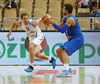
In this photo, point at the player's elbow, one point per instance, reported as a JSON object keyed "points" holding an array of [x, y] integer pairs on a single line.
{"points": [[62, 32]]}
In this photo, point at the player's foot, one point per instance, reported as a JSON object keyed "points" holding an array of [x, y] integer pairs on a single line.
{"points": [[70, 70], [64, 73], [29, 69], [53, 61]]}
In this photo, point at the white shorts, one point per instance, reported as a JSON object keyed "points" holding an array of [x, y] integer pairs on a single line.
{"points": [[37, 42], [37, 49]]}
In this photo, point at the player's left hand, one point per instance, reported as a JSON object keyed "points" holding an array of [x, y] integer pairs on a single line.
{"points": [[46, 27]]}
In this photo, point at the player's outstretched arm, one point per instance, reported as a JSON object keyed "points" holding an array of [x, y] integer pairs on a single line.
{"points": [[14, 24], [37, 22], [61, 25], [64, 27]]}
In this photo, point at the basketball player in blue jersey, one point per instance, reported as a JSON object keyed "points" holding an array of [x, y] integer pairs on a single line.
{"points": [[71, 28], [35, 37]]}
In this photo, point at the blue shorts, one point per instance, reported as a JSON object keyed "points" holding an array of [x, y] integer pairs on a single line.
{"points": [[73, 45]]}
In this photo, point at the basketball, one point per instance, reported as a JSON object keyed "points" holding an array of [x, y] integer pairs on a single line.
{"points": [[43, 44], [44, 19]]}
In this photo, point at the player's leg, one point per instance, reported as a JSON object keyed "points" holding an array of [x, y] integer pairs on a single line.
{"points": [[41, 56], [65, 59], [50, 59], [69, 48], [58, 51], [31, 51], [66, 50]]}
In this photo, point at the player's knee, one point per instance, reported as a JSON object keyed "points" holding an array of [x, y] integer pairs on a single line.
{"points": [[31, 47], [57, 50], [37, 55]]}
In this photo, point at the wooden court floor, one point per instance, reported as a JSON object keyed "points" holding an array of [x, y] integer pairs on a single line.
{"points": [[46, 75]]}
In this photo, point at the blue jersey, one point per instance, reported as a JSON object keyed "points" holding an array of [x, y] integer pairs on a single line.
{"points": [[73, 31]]}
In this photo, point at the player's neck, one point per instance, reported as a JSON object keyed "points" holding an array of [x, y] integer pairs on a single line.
{"points": [[25, 24], [67, 15]]}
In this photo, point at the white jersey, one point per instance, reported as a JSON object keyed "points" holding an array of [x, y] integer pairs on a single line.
{"points": [[32, 32]]}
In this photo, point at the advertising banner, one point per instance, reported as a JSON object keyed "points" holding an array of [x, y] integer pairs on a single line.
{"points": [[13, 51]]}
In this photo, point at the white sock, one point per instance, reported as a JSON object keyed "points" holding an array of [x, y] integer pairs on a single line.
{"points": [[31, 64], [66, 66], [49, 58]]}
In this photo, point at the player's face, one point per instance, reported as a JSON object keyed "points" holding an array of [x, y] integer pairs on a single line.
{"points": [[25, 19], [64, 11]]}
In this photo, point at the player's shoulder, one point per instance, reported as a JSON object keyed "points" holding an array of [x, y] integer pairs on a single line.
{"points": [[70, 19], [30, 22]]}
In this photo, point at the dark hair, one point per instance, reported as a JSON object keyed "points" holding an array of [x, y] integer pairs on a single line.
{"points": [[24, 14], [69, 8]]}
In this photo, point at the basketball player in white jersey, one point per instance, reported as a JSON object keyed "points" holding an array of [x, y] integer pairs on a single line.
{"points": [[35, 37]]}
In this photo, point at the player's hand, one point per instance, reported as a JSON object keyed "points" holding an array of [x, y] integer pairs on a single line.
{"points": [[46, 27], [50, 21], [8, 35]]}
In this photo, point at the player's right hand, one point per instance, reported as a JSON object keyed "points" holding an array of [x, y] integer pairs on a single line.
{"points": [[8, 34], [50, 21]]}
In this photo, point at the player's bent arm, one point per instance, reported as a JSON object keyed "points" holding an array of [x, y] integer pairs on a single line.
{"points": [[37, 22], [61, 29], [65, 26], [55, 28], [14, 24], [61, 25]]}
